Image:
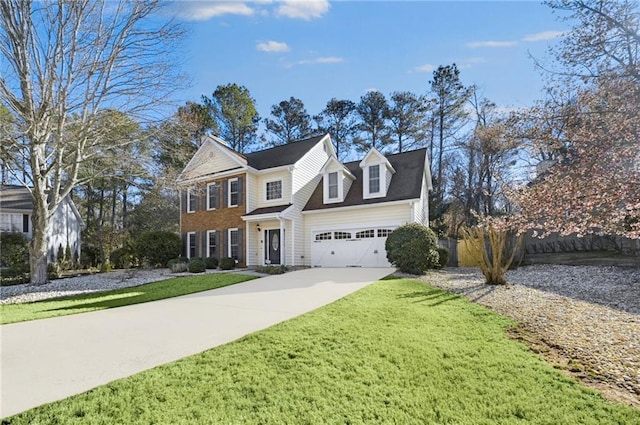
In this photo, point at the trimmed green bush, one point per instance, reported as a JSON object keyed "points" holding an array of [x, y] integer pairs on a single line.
{"points": [[179, 260], [196, 265], [14, 252], [211, 262], [157, 248], [227, 263], [412, 248], [443, 257], [272, 269], [122, 258]]}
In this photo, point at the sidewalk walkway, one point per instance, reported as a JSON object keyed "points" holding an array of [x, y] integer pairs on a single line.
{"points": [[51, 359]]}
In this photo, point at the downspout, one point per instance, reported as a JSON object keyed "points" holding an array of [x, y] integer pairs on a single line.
{"points": [[412, 213], [282, 243]]}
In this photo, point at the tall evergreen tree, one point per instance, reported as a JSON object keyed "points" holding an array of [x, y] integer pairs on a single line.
{"points": [[407, 115], [338, 118], [290, 122], [234, 111], [372, 111]]}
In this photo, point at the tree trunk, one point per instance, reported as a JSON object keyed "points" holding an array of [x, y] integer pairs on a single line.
{"points": [[38, 247]]}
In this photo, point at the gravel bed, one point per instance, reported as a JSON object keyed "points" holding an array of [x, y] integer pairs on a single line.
{"points": [[98, 282], [587, 316]]}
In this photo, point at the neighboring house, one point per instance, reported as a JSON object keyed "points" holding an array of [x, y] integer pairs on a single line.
{"points": [[298, 205], [16, 208]]}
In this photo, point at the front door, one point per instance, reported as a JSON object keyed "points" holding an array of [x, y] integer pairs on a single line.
{"points": [[272, 250]]}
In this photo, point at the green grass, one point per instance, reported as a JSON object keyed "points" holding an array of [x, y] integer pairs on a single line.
{"points": [[397, 352], [11, 313]]}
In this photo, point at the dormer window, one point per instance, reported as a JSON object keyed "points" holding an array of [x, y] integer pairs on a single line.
{"points": [[333, 185], [374, 179]]}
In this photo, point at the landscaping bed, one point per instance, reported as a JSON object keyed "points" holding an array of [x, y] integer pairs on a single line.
{"points": [[583, 319]]}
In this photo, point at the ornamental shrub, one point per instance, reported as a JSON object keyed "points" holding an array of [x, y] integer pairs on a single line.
{"points": [[178, 265], [211, 262], [227, 263], [196, 265], [122, 258], [14, 252], [443, 257], [412, 248], [157, 247]]}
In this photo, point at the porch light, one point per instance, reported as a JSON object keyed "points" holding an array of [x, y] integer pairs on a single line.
{"points": [[258, 227]]}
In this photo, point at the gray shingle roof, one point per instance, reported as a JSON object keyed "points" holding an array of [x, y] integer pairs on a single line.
{"points": [[15, 198], [281, 155], [406, 183], [269, 210]]}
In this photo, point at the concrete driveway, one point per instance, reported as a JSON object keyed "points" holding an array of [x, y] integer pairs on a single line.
{"points": [[51, 359]]}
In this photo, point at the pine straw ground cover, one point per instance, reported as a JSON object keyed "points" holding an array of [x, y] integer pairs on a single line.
{"points": [[398, 351]]}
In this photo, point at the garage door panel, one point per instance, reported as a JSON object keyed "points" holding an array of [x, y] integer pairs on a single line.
{"points": [[360, 247]]}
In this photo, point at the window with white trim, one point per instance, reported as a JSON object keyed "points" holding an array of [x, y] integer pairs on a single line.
{"points": [[212, 243], [274, 190], [233, 244], [191, 244], [333, 185], [374, 178], [234, 192], [213, 192], [192, 200]]}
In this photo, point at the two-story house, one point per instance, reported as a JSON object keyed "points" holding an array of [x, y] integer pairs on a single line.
{"points": [[298, 205]]}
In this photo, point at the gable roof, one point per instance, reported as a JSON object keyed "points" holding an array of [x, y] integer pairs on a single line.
{"points": [[15, 198], [406, 183], [278, 156]]}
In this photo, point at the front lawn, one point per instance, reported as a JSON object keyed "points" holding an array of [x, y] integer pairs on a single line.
{"points": [[11, 313], [395, 352]]}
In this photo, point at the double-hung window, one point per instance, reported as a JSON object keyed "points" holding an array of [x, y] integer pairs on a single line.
{"points": [[233, 244], [234, 192], [192, 200], [212, 243], [213, 191], [274, 190], [374, 179], [191, 244], [333, 185]]}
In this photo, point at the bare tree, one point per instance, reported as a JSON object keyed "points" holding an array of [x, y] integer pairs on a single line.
{"points": [[64, 62]]}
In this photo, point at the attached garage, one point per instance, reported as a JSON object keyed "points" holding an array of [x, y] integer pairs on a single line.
{"points": [[356, 247]]}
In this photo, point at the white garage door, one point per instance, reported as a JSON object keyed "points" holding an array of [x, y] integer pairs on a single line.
{"points": [[361, 247]]}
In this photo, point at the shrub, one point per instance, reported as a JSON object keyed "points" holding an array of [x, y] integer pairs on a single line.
{"points": [[227, 263], [412, 248], [272, 269], [14, 252], [54, 271], [196, 265], [211, 262], [443, 257], [179, 260], [179, 267], [157, 247], [122, 258]]}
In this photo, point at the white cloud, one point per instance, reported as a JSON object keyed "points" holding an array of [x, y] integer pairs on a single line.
{"points": [[476, 44], [542, 36], [329, 59], [273, 47], [427, 67], [475, 60], [303, 9], [201, 11]]}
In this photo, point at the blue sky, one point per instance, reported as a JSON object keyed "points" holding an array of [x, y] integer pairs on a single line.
{"points": [[316, 50]]}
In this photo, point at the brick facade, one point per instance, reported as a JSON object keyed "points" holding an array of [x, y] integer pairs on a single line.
{"points": [[219, 219]]}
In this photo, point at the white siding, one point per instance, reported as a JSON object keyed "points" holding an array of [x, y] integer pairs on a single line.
{"points": [[306, 176], [388, 177], [421, 208], [209, 159], [252, 190], [64, 229], [374, 215]]}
